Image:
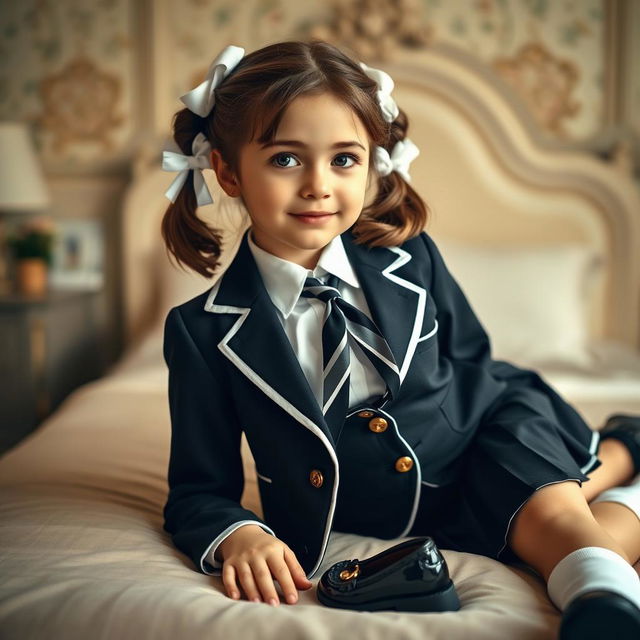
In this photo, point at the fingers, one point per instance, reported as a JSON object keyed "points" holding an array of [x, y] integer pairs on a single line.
{"points": [[254, 582], [256, 572], [264, 580], [296, 570], [229, 580], [255, 578], [282, 572]]}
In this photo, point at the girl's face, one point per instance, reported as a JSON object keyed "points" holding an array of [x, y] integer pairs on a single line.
{"points": [[319, 164]]}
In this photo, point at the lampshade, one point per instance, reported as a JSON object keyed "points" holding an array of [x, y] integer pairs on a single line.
{"points": [[22, 184]]}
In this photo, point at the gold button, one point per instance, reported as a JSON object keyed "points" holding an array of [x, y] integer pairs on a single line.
{"points": [[316, 479], [378, 425], [404, 464], [365, 414]]}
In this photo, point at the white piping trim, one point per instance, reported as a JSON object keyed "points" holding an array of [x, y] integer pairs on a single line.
{"points": [[263, 477], [403, 258], [416, 463], [430, 484], [216, 564], [506, 533], [434, 330], [223, 346], [595, 439]]}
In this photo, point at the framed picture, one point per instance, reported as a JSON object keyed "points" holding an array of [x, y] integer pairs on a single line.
{"points": [[78, 255]]}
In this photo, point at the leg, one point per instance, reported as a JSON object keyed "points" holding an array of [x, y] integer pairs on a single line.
{"points": [[559, 515], [617, 520], [621, 524], [588, 578], [616, 469]]}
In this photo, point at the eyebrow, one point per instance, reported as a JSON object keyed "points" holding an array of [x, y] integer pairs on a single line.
{"points": [[298, 143]]}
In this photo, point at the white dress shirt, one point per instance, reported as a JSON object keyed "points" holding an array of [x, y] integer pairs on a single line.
{"points": [[302, 320]]}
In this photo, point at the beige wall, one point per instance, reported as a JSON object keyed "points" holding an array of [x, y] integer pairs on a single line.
{"points": [[99, 79]]}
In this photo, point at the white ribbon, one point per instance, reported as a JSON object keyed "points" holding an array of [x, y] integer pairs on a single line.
{"points": [[201, 99], [173, 161], [404, 152], [385, 87]]}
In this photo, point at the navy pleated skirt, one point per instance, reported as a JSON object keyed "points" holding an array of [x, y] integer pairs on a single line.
{"points": [[501, 469]]}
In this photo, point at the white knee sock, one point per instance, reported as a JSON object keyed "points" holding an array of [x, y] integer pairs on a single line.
{"points": [[592, 569], [628, 496]]}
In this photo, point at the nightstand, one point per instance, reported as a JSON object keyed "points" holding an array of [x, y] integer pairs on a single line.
{"points": [[49, 345]]}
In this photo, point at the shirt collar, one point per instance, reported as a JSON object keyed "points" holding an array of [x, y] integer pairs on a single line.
{"points": [[284, 280]]}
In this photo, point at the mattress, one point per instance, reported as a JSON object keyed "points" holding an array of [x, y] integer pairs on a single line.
{"points": [[84, 554]]}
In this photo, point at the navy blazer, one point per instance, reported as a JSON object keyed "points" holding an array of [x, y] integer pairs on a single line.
{"points": [[233, 369]]}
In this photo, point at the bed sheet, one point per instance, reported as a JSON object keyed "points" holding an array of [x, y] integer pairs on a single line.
{"points": [[83, 552]]}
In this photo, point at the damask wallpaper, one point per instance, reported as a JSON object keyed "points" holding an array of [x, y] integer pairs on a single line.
{"points": [[80, 72], [67, 70], [98, 80]]}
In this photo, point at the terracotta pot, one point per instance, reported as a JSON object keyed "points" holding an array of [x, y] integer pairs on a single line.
{"points": [[32, 276]]}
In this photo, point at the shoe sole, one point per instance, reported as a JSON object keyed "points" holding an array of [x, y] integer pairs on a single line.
{"points": [[601, 619], [445, 600]]}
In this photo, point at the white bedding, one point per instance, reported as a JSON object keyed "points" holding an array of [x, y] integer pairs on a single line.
{"points": [[82, 549], [84, 554]]}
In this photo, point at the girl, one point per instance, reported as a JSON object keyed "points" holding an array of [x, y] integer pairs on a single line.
{"points": [[339, 342]]}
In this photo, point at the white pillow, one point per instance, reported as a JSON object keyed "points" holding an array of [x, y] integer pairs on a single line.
{"points": [[533, 301]]}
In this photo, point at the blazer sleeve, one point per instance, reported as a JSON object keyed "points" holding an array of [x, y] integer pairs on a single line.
{"points": [[525, 397], [205, 473]]}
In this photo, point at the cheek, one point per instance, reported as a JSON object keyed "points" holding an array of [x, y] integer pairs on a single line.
{"points": [[357, 189], [273, 193], [262, 190]]}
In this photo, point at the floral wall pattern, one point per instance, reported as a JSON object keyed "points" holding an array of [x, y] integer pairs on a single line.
{"points": [[98, 81], [551, 52], [72, 67], [67, 70]]}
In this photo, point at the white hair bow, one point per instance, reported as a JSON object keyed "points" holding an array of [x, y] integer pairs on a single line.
{"points": [[201, 99], [173, 161], [385, 87], [404, 152]]}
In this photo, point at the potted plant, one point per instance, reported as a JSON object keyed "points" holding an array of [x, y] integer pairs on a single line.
{"points": [[32, 248]]}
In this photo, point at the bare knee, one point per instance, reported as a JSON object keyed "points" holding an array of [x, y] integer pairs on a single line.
{"points": [[555, 521], [552, 503], [551, 524]]}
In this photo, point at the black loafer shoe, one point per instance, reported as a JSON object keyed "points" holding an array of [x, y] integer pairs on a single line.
{"points": [[600, 614], [627, 430], [410, 576]]}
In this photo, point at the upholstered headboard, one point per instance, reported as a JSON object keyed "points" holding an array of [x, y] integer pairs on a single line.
{"points": [[490, 186]]}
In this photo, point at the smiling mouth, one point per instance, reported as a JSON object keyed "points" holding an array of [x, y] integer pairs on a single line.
{"points": [[314, 218], [314, 214]]}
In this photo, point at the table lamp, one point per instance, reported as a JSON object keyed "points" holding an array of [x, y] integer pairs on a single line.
{"points": [[23, 189]]}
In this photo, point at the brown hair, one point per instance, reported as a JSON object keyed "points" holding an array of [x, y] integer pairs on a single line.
{"points": [[257, 91]]}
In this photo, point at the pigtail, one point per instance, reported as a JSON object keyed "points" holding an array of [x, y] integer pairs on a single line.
{"points": [[188, 238], [249, 105], [398, 212]]}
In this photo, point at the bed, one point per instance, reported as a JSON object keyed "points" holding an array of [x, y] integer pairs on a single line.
{"points": [[544, 242]]}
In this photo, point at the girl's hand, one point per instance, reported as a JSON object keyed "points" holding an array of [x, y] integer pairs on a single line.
{"points": [[255, 557]]}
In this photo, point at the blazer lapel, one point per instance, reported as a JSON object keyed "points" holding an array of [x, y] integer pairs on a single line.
{"points": [[397, 304], [257, 344]]}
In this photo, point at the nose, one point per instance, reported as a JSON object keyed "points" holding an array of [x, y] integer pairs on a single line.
{"points": [[316, 183]]}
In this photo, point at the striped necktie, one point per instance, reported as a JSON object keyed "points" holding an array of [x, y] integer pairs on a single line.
{"points": [[342, 320]]}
